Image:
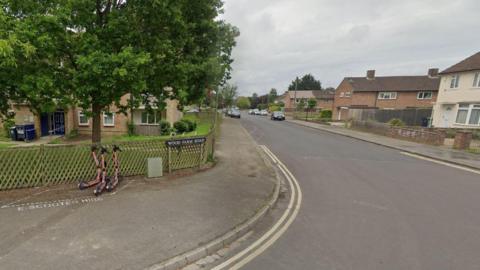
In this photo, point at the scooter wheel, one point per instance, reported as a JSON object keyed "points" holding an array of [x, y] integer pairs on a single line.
{"points": [[81, 186]]}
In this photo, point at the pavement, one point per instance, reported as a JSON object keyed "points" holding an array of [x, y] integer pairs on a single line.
{"points": [[446, 154], [366, 206], [145, 222]]}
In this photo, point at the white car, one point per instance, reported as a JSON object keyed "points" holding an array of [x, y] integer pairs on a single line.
{"points": [[256, 111], [263, 112]]}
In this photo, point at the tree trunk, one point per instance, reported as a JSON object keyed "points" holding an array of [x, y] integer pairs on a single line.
{"points": [[96, 127]]}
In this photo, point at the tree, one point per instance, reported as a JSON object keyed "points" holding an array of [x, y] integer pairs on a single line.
{"points": [[243, 103], [311, 103], [254, 100], [307, 82], [229, 93], [92, 53], [301, 105], [272, 95]]}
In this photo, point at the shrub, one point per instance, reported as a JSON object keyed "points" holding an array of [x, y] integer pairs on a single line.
{"points": [[165, 128], [274, 108], [326, 114], [73, 134], [131, 129], [191, 126], [7, 124], [180, 126], [395, 122]]}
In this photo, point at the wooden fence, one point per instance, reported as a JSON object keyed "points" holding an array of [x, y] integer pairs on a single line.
{"points": [[50, 165]]}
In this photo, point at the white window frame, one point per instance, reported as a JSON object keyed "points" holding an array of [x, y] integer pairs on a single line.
{"points": [[468, 108], [108, 124], [476, 80], [454, 81], [421, 95], [80, 115], [342, 94], [391, 95], [156, 121], [348, 94]]}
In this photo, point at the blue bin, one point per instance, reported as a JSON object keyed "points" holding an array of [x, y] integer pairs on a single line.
{"points": [[26, 132]]}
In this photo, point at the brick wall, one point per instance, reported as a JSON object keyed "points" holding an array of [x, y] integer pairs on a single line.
{"points": [[341, 101]]}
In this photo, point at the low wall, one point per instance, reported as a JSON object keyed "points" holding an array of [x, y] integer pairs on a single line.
{"points": [[421, 135], [147, 130]]}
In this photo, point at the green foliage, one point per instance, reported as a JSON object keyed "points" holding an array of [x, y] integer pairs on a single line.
{"points": [[181, 126], [274, 108], [73, 134], [326, 114], [228, 93], [311, 103], [395, 122], [190, 125], [307, 82], [131, 129], [262, 106], [281, 104], [7, 124], [165, 128], [272, 95], [243, 103], [301, 105]]}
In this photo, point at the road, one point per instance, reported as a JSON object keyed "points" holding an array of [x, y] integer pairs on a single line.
{"points": [[369, 207]]}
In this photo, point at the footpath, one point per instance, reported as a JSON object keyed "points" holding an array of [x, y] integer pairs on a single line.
{"points": [[163, 223], [434, 152]]}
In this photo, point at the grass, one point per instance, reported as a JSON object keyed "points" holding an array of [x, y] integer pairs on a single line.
{"points": [[474, 150], [5, 145]]}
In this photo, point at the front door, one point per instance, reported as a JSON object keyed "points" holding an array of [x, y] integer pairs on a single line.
{"points": [[58, 123], [44, 124]]}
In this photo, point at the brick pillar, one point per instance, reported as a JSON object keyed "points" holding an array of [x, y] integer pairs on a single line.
{"points": [[462, 140]]}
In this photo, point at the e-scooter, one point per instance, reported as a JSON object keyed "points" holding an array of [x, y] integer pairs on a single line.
{"points": [[87, 184], [112, 184], [103, 167]]}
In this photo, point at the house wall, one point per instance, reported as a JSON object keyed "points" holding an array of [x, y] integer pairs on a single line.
{"points": [[444, 115], [325, 104], [340, 102]]}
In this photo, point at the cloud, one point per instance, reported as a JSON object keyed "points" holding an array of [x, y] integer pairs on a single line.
{"points": [[282, 39]]}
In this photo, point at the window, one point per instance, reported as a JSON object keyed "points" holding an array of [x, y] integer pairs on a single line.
{"points": [[454, 80], [468, 114], [424, 95], [387, 95], [151, 118], [108, 119], [476, 80], [82, 119], [342, 94], [348, 94]]}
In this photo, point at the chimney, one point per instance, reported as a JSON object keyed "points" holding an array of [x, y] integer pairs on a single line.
{"points": [[433, 73], [370, 74]]}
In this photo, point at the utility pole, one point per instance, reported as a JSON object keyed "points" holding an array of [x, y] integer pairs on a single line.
{"points": [[295, 98]]}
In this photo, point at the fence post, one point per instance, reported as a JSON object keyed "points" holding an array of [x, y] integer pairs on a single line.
{"points": [[169, 160], [42, 165], [201, 155]]}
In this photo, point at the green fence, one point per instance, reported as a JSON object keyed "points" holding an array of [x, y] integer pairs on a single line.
{"points": [[51, 164]]}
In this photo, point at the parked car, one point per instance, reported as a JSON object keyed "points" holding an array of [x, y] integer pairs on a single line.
{"points": [[278, 116], [256, 111], [250, 111], [235, 113], [263, 112]]}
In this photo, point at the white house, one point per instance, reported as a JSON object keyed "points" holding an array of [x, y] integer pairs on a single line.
{"points": [[458, 101]]}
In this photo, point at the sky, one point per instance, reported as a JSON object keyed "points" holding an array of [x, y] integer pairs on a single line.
{"points": [[333, 39]]}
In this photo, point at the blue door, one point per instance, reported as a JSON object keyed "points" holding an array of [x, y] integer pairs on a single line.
{"points": [[44, 124], [59, 123]]}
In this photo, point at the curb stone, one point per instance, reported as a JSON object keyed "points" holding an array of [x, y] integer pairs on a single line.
{"points": [[388, 146], [226, 239]]}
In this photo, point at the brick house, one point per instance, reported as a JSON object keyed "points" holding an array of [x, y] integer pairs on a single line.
{"points": [[324, 99], [63, 121], [389, 92], [458, 103]]}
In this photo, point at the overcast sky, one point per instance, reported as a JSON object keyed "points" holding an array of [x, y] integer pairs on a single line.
{"points": [[332, 39]]}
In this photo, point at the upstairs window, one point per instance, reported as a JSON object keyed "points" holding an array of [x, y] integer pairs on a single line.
{"points": [[342, 94], [387, 95], [348, 94], [424, 95], [476, 80], [454, 80]]}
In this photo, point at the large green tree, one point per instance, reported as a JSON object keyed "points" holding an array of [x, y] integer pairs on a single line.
{"points": [[243, 103], [307, 82], [91, 53]]}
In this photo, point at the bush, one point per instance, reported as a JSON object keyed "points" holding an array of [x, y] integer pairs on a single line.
{"points": [[395, 122], [274, 108], [191, 126], [131, 129], [180, 126], [326, 114], [165, 128], [7, 124], [73, 134]]}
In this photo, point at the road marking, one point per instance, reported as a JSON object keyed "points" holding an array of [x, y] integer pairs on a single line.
{"points": [[277, 230], [52, 204], [441, 162]]}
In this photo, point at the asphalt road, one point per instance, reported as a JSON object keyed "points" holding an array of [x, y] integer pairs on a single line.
{"points": [[370, 207]]}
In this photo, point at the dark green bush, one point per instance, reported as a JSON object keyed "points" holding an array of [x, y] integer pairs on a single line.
{"points": [[326, 114], [165, 128], [131, 129], [7, 124], [180, 126], [395, 122], [189, 124]]}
